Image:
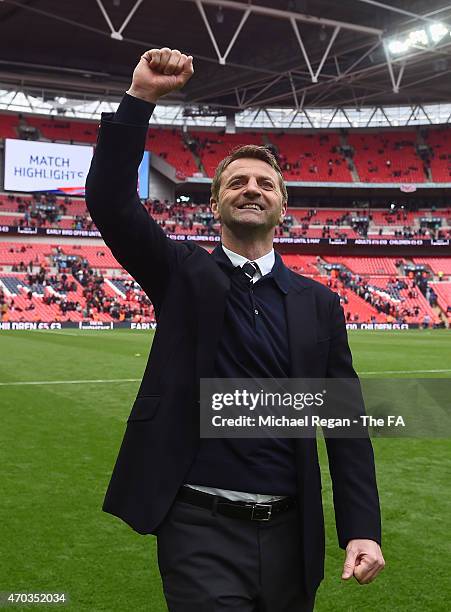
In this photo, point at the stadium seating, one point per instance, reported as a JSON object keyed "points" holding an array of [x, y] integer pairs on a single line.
{"points": [[169, 145], [99, 257], [443, 291], [387, 157], [404, 298], [8, 125], [303, 264], [359, 310], [51, 128], [436, 264], [366, 265], [439, 142], [311, 157], [12, 283], [213, 147], [310, 222], [15, 252], [12, 203], [391, 218], [378, 274], [356, 309], [16, 288]]}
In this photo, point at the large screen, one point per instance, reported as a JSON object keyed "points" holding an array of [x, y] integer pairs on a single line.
{"points": [[60, 168], [45, 166]]}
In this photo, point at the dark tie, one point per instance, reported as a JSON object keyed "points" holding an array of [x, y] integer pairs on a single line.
{"points": [[249, 269]]}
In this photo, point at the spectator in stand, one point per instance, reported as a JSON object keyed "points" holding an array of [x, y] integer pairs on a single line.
{"points": [[433, 299]]}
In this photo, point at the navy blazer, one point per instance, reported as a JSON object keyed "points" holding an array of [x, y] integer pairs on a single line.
{"points": [[189, 291]]}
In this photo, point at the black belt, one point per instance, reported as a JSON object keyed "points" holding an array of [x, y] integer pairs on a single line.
{"points": [[236, 509]]}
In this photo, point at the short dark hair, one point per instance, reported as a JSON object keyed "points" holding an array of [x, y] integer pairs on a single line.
{"points": [[252, 151]]}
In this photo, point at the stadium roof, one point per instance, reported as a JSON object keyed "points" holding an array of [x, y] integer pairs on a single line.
{"points": [[289, 53]]}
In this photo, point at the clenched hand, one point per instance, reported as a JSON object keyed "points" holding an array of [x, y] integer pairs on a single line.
{"points": [[364, 561], [159, 72]]}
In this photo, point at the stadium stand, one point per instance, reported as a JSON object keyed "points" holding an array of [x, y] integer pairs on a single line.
{"points": [[99, 257], [15, 252], [438, 265], [53, 129], [366, 265], [72, 282], [443, 291], [388, 156], [438, 141], [67, 281], [303, 264], [170, 146], [8, 125], [193, 219], [311, 157], [356, 309], [213, 147], [79, 295]]}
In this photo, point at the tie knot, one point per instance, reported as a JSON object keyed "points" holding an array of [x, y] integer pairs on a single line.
{"points": [[249, 269]]}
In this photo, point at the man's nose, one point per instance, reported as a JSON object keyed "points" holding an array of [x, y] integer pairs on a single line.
{"points": [[252, 188]]}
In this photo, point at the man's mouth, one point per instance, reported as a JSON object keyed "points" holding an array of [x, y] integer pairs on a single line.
{"points": [[250, 206]]}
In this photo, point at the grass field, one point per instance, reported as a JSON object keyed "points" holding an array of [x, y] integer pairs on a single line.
{"points": [[59, 443]]}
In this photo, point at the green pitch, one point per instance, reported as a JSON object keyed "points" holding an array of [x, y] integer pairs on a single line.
{"points": [[59, 443]]}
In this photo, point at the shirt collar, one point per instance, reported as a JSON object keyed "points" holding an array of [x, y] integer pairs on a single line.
{"points": [[265, 263], [270, 265]]}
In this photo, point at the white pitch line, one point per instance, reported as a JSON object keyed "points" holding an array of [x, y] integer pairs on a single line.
{"points": [[69, 382], [405, 372], [120, 380], [58, 332]]}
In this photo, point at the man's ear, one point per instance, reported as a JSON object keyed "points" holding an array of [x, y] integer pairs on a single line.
{"points": [[215, 209], [283, 212]]}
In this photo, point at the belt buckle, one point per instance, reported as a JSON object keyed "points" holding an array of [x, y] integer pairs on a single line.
{"points": [[257, 508]]}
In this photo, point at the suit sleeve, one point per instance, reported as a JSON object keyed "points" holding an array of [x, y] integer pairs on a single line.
{"points": [[351, 460], [134, 238]]}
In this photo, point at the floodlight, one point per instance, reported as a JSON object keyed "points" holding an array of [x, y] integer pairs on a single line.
{"points": [[417, 37], [437, 31], [398, 46]]}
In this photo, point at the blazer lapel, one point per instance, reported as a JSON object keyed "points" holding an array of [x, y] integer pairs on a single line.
{"points": [[302, 329], [211, 287]]}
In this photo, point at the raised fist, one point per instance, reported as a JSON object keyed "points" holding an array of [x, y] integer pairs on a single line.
{"points": [[159, 72]]}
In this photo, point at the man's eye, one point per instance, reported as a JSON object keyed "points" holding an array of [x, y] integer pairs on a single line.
{"points": [[268, 185]]}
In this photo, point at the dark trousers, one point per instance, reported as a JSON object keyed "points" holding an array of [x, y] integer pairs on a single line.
{"points": [[212, 563]]}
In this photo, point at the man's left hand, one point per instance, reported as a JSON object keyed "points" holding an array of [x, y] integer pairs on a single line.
{"points": [[364, 561]]}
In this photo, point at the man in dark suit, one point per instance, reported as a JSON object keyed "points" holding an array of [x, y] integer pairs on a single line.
{"points": [[239, 522]]}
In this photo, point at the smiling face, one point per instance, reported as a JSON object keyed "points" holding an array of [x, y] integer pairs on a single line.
{"points": [[249, 197]]}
